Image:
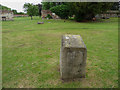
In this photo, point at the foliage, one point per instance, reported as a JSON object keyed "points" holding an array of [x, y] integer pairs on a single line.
{"points": [[45, 5], [4, 7], [88, 10], [115, 6], [49, 16], [9, 9], [14, 11], [48, 5], [61, 10], [52, 4], [32, 10], [81, 10]]}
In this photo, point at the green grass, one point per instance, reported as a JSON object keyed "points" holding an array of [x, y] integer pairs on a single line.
{"points": [[31, 53]]}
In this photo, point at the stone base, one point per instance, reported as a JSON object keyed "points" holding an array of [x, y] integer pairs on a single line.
{"points": [[72, 57]]}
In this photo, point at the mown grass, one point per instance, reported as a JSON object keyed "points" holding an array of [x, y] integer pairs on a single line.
{"points": [[31, 53]]}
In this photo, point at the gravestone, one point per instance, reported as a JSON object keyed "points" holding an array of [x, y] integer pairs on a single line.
{"points": [[73, 56], [40, 22]]}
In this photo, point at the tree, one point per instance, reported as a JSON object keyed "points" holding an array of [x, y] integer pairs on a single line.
{"points": [[52, 4], [9, 9], [4, 8], [40, 8], [88, 10], [81, 10], [46, 5], [32, 10], [61, 10], [115, 6]]}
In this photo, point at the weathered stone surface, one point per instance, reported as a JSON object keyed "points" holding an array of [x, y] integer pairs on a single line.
{"points": [[6, 15], [46, 12], [73, 55], [40, 23]]}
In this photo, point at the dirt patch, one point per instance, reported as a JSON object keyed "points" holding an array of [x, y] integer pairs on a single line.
{"points": [[29, 30], [21, 45], [24, 83], [71, 80], [29, 81], [6, 31], [53, 82]]}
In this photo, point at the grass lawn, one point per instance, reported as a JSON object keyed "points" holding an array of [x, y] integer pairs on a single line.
{"points": [[31, 53]]}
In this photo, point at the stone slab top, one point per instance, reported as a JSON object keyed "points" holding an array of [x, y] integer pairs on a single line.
{"points": [[72, 41]]}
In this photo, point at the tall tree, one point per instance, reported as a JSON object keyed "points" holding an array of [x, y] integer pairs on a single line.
{"points": [[115, 6], [61, 10], [81, 10], [88, 10], [40, 8], [45, 5], [48, 5], [32, 10]]}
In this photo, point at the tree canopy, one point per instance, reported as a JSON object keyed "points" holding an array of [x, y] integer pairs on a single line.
{"points": [[32, 10], [115, 6], [4, 7], [88, 10], [81, 10], [61, 10], [9, 9]]}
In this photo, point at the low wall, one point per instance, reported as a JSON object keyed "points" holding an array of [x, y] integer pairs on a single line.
{"points": [[46, 12], [108, 14]]}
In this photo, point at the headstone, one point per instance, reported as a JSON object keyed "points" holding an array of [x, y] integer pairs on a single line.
{"points": [[73, 56], [107, 17], [53, 14], [40, 22]]}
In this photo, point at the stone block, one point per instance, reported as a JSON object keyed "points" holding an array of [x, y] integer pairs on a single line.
{"points": [[73, 56]]}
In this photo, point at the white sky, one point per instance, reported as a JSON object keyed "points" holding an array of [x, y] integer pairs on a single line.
{"points": [[18, 4]]}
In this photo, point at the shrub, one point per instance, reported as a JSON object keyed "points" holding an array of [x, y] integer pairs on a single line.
{"points": [[61, 10], [49, 16]]}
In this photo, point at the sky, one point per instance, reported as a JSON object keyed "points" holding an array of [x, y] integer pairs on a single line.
{"points": [[18, 4]]}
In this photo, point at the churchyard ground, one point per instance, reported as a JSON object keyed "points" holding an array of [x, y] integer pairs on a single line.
{"points": [[31, 53]]}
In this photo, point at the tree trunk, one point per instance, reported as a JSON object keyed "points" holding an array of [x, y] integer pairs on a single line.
{"points": [[89, 16], [31, 17]]}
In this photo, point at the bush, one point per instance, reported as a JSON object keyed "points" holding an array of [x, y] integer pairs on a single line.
{"points": [[49, 16], [61, 10]]}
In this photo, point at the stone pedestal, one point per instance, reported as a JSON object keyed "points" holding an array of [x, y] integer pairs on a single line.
{"points": [[73, 56]]}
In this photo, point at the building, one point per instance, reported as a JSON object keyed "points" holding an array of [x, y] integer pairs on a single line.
{"points": [[6, 15], [46, 12]]}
